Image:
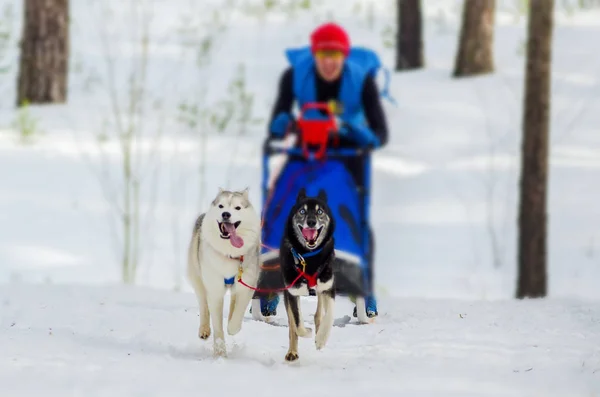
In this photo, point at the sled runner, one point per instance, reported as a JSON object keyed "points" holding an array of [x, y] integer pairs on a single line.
{"points": [[316, 162]]}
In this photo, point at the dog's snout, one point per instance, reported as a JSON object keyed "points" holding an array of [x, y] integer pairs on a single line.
{"points": [[311, 222], [226, 215]]}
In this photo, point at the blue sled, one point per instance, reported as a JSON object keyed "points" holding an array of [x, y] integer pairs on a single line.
{"points": [[348, 201]]}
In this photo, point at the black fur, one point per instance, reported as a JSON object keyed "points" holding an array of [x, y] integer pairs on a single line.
{"points": [[291, 300], [320, 264]]}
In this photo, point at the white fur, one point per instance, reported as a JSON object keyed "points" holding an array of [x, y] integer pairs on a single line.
{"points": [[212, 259], [299, 291], [303, 332], [361, 311], [327, 304], [324, 286]]}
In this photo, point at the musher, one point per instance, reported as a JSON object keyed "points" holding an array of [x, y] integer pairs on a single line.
{"points": [[328, 77]]}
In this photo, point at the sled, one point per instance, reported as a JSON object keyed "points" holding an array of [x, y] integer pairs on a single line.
{"points": [[316, 162]]}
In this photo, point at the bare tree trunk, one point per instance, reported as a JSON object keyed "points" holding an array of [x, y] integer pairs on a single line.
{"points": [[44, 63], [475, 50], [534, 164], [409, 37]]}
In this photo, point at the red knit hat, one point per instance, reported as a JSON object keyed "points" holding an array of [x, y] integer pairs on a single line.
{"points": [[330, 36]]}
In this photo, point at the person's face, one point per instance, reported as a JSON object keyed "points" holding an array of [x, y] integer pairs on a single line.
{"points": [[329, 64]]}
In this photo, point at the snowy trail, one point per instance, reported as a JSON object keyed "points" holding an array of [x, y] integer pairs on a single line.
{"points": [[117, 341]]}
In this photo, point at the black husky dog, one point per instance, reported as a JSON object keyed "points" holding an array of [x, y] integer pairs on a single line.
{"points": [[306, 259]]}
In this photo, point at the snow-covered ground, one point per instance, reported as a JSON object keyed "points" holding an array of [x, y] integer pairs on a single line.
{"points": [[444, 211], [81, 341]]}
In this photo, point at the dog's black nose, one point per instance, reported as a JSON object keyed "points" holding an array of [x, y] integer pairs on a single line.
{"points": [[311, 222], [226, 215]]}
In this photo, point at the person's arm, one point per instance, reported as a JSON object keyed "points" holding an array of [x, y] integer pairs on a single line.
{"points": [[374, 110], [375, 133], [281, 115]]}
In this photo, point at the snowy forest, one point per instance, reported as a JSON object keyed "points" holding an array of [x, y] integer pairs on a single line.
{"points": [[121, 119]]}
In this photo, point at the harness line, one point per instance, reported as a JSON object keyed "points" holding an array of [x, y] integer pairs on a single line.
{"points": [[298, 259]]}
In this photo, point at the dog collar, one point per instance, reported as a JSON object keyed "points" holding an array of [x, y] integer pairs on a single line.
{"points": [[307, 255], [231, 280]]}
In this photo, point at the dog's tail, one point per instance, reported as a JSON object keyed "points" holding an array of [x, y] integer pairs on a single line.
{"points": [[193, 249]]}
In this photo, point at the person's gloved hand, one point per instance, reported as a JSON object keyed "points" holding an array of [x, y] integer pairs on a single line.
{"points": [[361, 135], [280, 124]]}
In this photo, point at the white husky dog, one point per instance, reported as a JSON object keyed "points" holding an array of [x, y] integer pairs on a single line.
{"points": [[225, 241]]}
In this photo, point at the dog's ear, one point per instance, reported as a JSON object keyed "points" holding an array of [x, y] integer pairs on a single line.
{"points": [[301, 194], [322, 195], [221, 190], [245, 193]]}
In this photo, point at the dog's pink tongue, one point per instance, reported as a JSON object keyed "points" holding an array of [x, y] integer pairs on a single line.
{"points": [[309, 233], [235, 240]]}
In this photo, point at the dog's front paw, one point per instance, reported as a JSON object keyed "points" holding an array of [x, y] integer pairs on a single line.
{"points": [[234, 327], [219, 348], [320, 344], [204, 332], [291, 356], [321, 339], [305, 332]]}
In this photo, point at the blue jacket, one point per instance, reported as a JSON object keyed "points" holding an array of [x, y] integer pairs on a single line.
{"points": [[360, 64]]}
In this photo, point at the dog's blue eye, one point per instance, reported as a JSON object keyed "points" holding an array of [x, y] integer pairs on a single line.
{"points": [[320, 212], [302, 211]]}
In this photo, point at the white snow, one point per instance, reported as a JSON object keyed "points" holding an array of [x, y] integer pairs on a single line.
{"points": [[117, 341], [444, 211]]}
